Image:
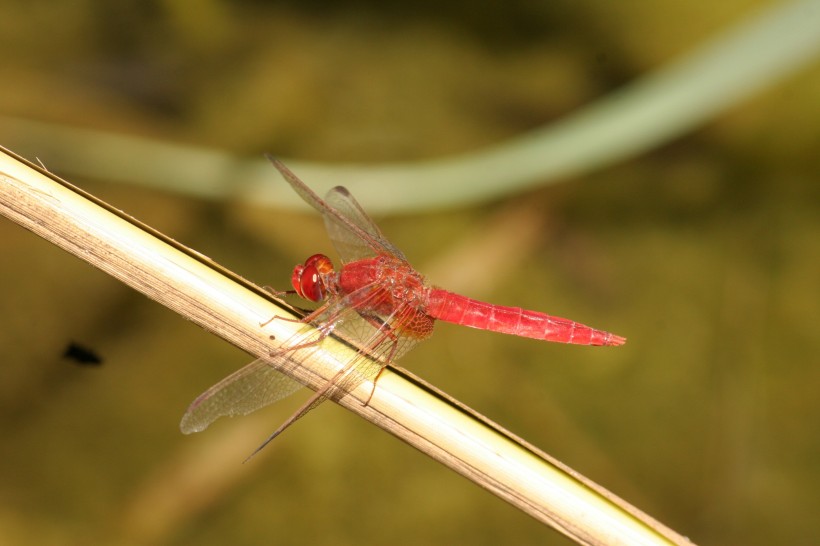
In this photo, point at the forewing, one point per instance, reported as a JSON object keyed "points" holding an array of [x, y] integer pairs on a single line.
{"points": [[244, 391], [260, 383], [348, 243], [353, 233], [378, 340]]}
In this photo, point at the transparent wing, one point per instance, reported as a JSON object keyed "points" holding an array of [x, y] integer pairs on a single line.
{"points": [[244, 391], [348, 243], [353, 233], [379, 340]]}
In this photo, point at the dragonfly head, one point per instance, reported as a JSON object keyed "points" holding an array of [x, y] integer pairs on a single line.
{"points": [[311, 279]]}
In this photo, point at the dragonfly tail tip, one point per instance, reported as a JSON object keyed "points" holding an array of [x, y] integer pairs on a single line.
{"points": [[615, 341]]}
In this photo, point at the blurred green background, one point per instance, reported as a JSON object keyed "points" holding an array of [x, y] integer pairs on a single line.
{"points": [[704, 253]]}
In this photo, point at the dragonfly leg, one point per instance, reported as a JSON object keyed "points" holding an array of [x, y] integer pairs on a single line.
{"points": [[278, 293], [274, 317], [386, 333], [323, 330], [309, 317], [373, 390], [323, 333]]}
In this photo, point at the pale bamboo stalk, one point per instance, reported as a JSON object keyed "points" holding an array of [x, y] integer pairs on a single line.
{"points": [[232, 308]]}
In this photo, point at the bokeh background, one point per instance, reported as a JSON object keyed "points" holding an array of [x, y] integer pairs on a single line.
{"points": [[704, 252]]}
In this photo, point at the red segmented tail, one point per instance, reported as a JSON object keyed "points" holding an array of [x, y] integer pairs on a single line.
{"points": [[458, 309]]}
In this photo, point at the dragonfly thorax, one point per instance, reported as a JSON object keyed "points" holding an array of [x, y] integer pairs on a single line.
{"points": [[392, 283]]}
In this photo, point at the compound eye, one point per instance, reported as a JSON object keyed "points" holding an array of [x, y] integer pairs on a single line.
{"points": [[316, 258], [295, 279], [309, 279], [309, 283]]}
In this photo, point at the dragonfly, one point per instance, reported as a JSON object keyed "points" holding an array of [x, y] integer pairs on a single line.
{"points": [[376, 300]]}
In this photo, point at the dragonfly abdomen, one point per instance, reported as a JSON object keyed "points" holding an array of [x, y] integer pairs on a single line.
{"points": [[450, 307]]}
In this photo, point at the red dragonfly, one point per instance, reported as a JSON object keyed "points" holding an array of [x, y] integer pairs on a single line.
{"points": [[378, 301]]}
